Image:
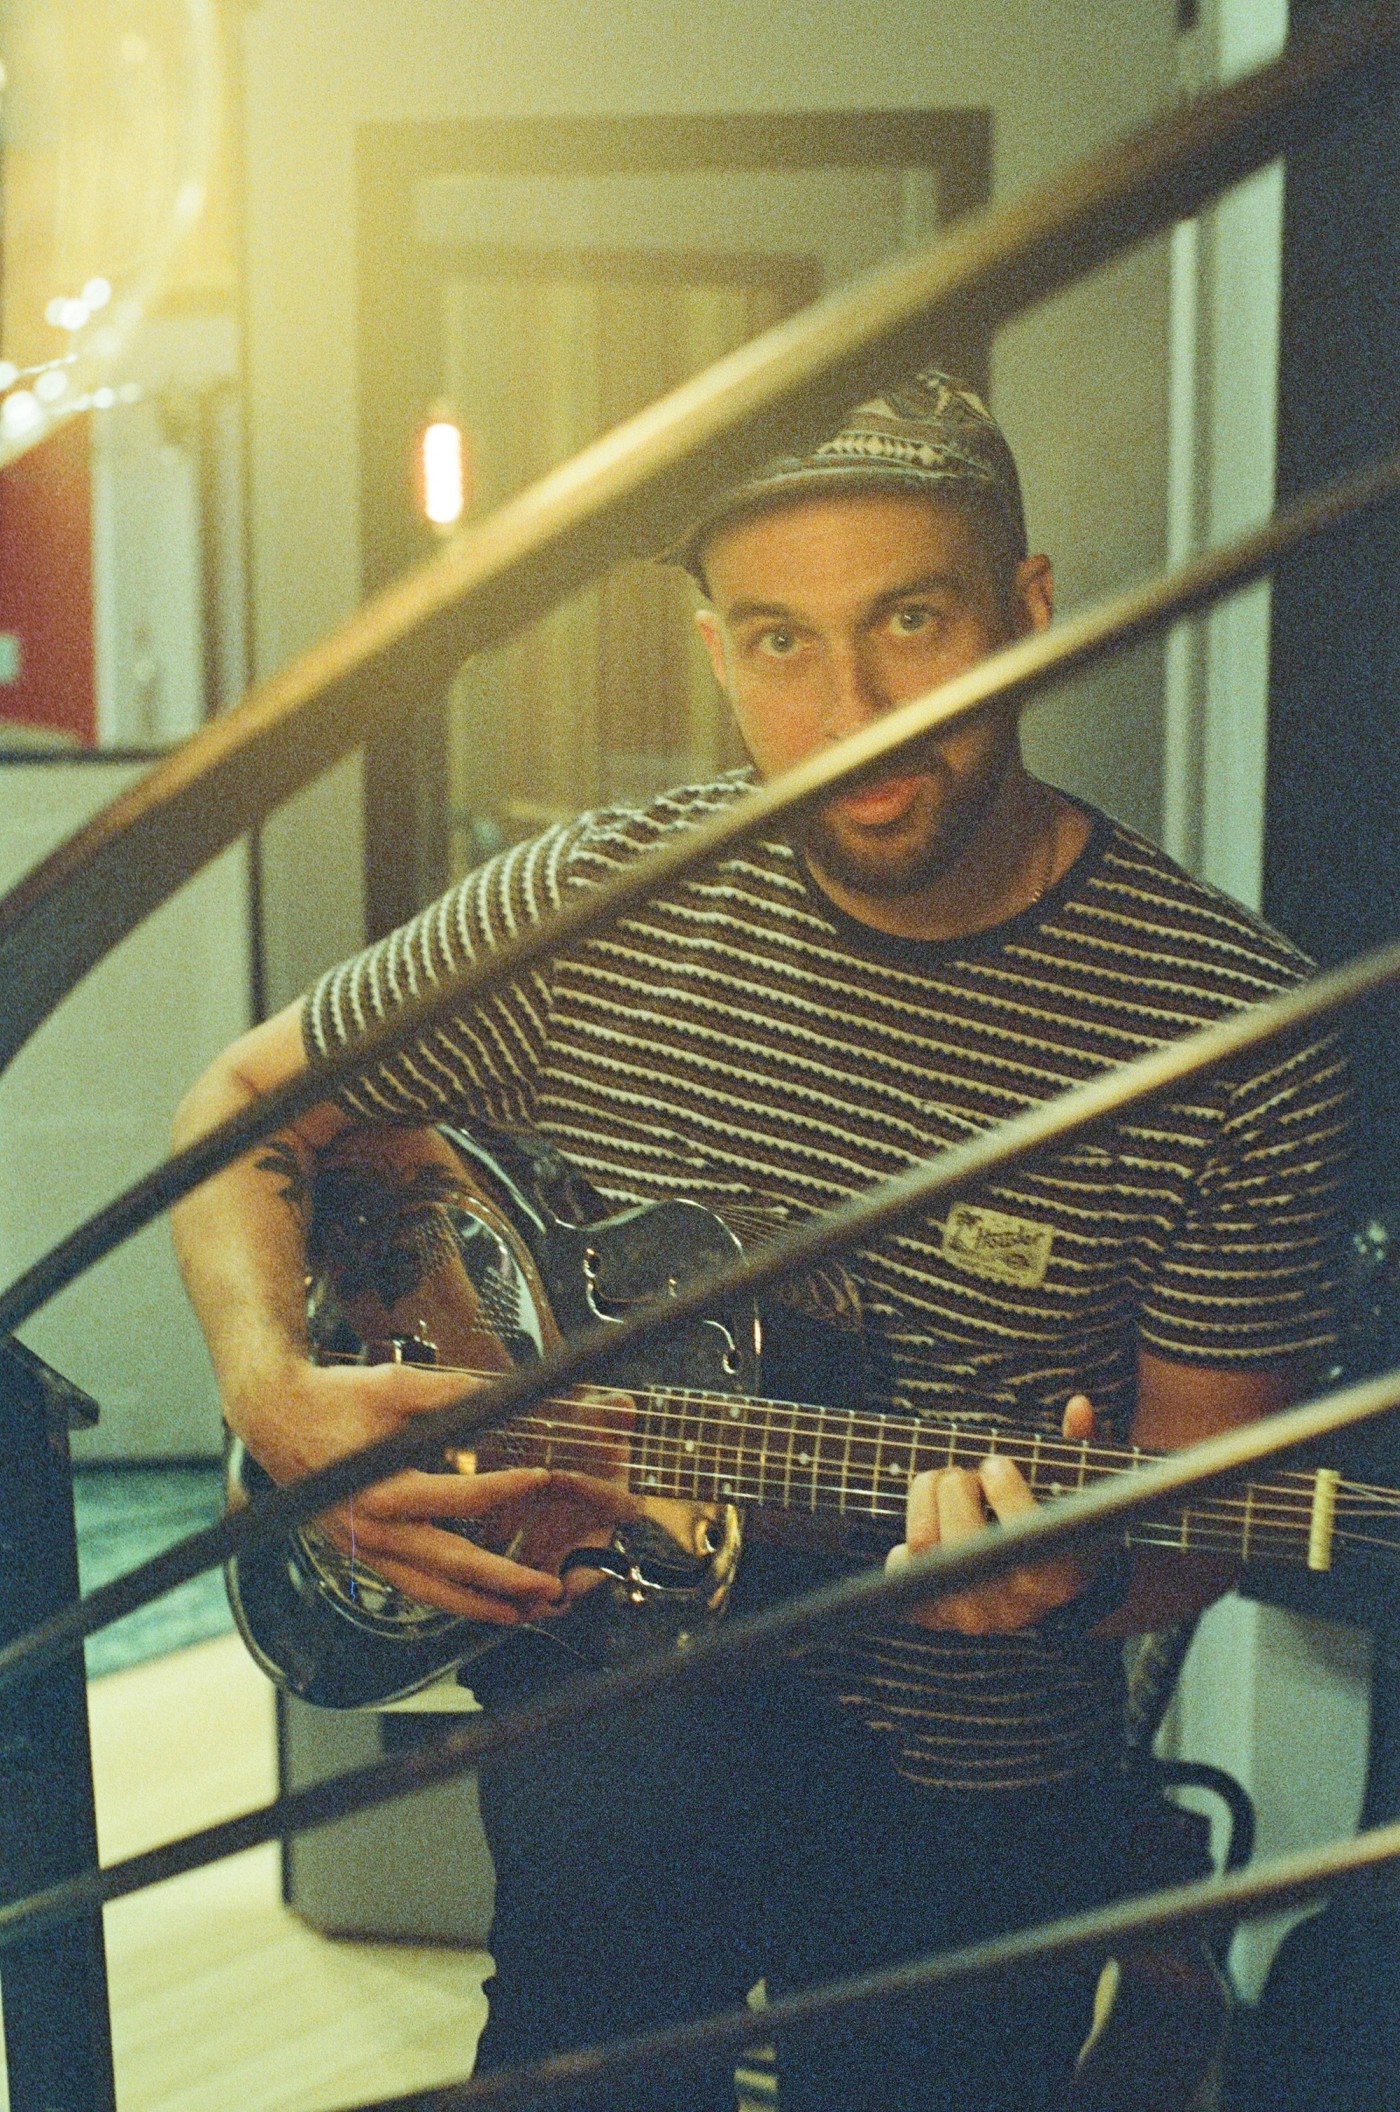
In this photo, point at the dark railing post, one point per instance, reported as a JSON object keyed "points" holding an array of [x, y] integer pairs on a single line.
{"points": [[58, 2038]]}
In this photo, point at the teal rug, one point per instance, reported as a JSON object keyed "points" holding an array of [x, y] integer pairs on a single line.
{"points": [[126, 1514]]}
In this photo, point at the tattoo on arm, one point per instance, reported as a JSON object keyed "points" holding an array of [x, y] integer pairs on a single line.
{"points": [[284, 1164]]}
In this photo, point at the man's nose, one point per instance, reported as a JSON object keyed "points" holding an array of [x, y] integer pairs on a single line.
{"points": [[856, 692]]}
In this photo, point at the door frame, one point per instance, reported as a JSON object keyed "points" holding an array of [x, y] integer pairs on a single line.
{"points": [[398, 283]]}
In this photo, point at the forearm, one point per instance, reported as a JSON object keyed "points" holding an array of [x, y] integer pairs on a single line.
{"points": [[1178, 1405], [239, 1248], [240, 1237]]}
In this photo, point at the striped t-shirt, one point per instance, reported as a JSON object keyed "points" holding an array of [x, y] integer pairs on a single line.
{"points": [[741, 1041]]}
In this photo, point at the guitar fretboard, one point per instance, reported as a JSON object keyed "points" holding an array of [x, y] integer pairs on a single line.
{"points": [[857, 1465]]}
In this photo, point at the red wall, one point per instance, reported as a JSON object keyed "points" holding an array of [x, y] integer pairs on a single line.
{"points": [[46, 583]]}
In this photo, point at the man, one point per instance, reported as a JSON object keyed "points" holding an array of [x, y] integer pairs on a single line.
{"points": [[932, 952]]}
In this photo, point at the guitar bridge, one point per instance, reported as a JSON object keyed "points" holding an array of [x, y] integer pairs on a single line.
{"points": [[654, 1571], [634, 1587]]}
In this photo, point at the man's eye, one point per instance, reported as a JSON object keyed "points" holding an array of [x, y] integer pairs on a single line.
{"points": [[777, 641], [916, 617]]}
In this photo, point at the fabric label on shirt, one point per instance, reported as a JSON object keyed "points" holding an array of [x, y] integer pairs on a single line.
{"points": [[990, 1243]]}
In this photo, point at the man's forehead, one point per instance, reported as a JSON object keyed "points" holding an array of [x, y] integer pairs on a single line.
{"points": [[855, 539]]}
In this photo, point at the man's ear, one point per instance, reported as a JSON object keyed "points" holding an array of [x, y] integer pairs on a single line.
{"points": [[708, 625], [1035, 591]]}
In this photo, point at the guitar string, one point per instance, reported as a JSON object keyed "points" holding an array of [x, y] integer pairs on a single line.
{"points": [[806, 1470], [1240, 1524], [1200, 1531], [687, 1459], [1373, 1488], [1263, 1509], [800, 1417], [1261, 1517], [1260, 1509], [663, 1449], [1041, 1451], [774, 1463], [825, 1427], [1204, 1529], [1369, 1540], [739, 1489], [866, 1426], [816, 1424], [1254, 1514], [1227, 1519]]}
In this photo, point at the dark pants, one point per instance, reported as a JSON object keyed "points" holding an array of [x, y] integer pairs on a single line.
{"points": [[652, 1867]]}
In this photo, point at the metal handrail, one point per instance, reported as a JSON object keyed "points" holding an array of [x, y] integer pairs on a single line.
{"points": [[142, 848], [635, 488]]}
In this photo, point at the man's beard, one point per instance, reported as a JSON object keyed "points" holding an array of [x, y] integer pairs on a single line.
{"points": [[891, 871]]}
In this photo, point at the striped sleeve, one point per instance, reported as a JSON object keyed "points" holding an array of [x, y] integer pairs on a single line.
{"points": [[1250, 1276], [482, 1057]]}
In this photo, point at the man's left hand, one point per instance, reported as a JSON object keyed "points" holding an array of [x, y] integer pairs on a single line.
{"points": [[949, 1503]]}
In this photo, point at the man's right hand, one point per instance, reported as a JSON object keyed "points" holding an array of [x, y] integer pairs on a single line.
{"points": [[241, 1242], [301, 1416]]}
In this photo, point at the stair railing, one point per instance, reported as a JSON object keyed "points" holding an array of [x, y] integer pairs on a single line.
{"points": [[633, 489]]}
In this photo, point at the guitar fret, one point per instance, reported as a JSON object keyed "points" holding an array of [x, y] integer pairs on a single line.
{"points": [[677, 1410], [641, 1469], [685, 1476], [764, 1433], [735, 1430], [787, 1472], [714, 1436], [644, 1461], [689, 1448], [704, 1474]]}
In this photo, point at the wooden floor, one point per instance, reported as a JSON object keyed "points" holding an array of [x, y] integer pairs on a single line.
{"points": [[222, 2000]]}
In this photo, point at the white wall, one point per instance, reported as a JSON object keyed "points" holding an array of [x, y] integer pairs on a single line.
{"points": [[1080, 387], [1282, 1701], [85, 1108], [1279, 1699], [1227, 270]]}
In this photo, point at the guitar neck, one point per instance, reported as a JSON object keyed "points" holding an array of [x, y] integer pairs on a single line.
{"points": [[857, 1466]]}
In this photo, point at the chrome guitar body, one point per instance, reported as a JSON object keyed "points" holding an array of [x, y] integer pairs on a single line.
{"points": [[481, 1252]]}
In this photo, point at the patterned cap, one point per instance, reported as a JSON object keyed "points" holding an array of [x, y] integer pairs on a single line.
{"points": [[932, 434]]}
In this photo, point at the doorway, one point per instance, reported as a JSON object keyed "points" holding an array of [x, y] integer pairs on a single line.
{"points": [[547, 282]]}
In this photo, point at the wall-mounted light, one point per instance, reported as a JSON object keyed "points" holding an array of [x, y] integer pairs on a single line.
{"points": [[442, 469]]}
